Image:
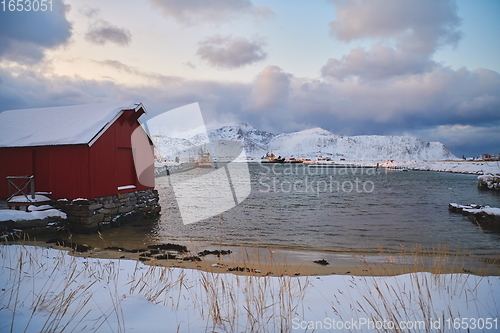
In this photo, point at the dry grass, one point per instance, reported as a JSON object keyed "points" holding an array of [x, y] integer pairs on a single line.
{"points": [[393, 302], [64, 290], [64, 302]]}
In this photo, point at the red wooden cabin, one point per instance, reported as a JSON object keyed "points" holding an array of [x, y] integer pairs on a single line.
{"points": [[79, 151]]}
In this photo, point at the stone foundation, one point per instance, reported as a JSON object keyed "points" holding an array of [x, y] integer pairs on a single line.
{"points": [[93, 215]]}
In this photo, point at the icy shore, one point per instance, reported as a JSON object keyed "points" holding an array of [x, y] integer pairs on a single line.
{"points": [[471, 167]]}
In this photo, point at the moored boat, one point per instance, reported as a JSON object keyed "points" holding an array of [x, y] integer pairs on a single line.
{"points": [[293, 160], [271, 158]]}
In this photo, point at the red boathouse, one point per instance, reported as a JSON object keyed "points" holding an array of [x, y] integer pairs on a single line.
{"points": [[79, 151]]}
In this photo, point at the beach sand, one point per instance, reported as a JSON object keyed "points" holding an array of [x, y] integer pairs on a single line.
{"points": [[278, 262]]}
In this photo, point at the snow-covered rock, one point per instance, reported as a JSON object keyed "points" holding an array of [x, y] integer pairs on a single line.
{"points": [[484, 215], [490, 182]]}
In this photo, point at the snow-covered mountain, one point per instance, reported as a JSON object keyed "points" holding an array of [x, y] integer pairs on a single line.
{"points": [[316, 142], [312, 143], [255, 142]]}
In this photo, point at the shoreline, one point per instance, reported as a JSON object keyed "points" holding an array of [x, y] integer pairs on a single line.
{"points": [[466, 167], [255, 261]]}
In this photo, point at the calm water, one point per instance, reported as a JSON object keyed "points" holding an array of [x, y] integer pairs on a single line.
{"points": [[337, 210]]}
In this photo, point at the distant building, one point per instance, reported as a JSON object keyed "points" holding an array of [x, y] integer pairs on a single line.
{"points": [[80, 151], [490, 157]]}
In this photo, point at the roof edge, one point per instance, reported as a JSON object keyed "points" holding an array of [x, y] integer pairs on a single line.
{"points": [[115, 118], [104, 129]]}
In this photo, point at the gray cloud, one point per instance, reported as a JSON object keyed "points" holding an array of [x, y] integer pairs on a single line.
{"points": [[120, 66], [27, 88], [24, 35], [426, 101], [263, 13], [230, 52], [196, 12], [455, 105], [380, 62], [465, 139], [417, 25], [102, 32], [271, 88], [90, 12], [407, 33]]}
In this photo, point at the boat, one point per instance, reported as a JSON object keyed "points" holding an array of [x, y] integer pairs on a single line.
{"points": [[271, 158], [293, 160], [205, 160]]}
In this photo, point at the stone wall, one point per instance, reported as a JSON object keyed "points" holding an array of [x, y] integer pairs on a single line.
{"points": [[93, 215]]}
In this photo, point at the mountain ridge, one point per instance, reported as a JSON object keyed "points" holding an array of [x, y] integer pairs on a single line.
{"points": [[317, 142]]}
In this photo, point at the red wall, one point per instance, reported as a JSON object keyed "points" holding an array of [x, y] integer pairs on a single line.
{"points": [[14, 162], [111, 161], [77, 171], [61, 170]]}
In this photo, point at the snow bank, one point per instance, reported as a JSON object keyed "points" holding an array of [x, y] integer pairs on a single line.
{"points": [[33, 208], [53, 291], [478, 168], [474, 209], [16, 215], [22, 198]]}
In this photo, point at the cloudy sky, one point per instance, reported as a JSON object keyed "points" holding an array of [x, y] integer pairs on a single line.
{"points": [[428, 68]]}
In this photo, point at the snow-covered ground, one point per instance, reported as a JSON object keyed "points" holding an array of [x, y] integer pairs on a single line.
{"points": [[33, 213], [479, 167], [48, 290], [24, 199]]}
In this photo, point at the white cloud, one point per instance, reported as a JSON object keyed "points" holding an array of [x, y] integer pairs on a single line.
{"points": [[231, 52], [198, 12]]}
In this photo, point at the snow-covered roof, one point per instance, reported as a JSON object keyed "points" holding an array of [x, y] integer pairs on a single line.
{"points": [[62, 125]]}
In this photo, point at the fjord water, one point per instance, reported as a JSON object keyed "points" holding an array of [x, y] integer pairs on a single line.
{"points": [[340, 210]]}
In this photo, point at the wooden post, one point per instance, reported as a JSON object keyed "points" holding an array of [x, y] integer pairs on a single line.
{"points": [[32, 180]]}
